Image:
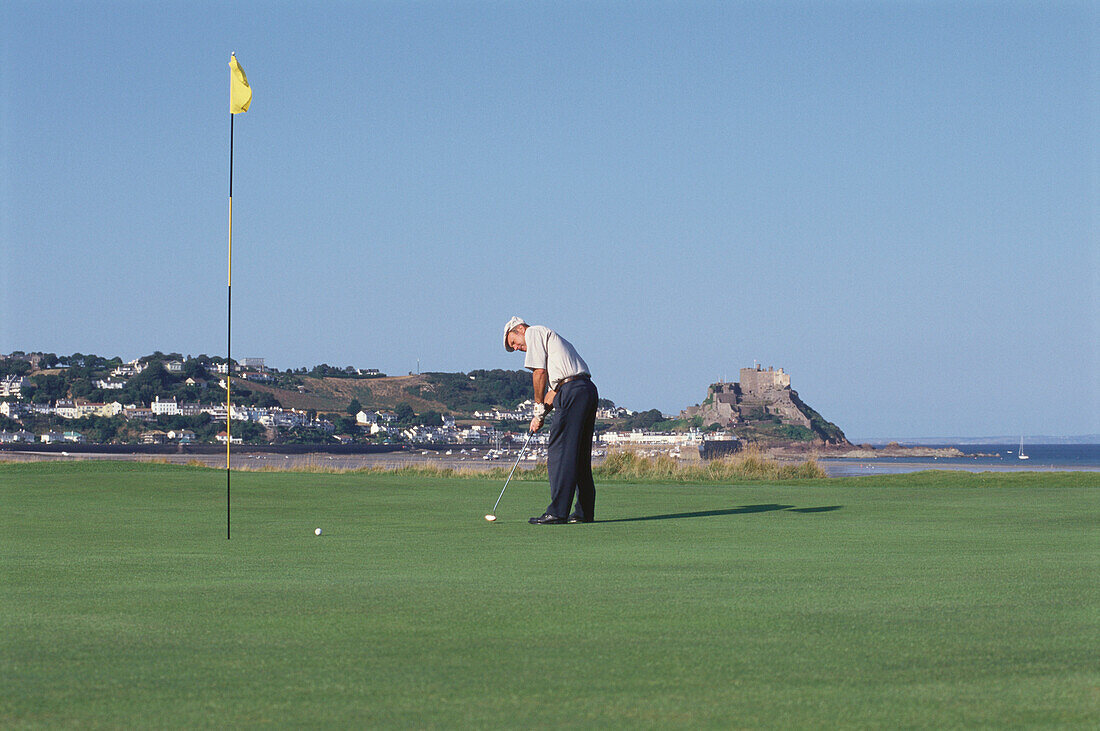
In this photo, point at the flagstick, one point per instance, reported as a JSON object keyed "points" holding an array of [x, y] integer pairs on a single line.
{"points": [[229, 335]]}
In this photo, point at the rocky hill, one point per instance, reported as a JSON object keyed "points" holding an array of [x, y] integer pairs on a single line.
{"points": [[763, 409]]}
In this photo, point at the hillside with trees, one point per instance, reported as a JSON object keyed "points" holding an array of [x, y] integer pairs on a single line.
{"points": [[108, 395]]}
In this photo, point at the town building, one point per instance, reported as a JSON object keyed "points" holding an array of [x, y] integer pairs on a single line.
{"points": [[16, 437], [165, 407], [15, 409], [222, 437], [109, 384], [12, 386], [66, 409]]}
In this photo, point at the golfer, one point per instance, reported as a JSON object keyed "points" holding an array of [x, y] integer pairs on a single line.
{"points": [[561, 379]]}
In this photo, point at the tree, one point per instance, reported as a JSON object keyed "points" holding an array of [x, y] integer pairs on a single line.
{"points": [[644, 420], [154, 376], [50, 388], [405, 416], [14, 367], [194, 368], [354, 407], [81, 388]]}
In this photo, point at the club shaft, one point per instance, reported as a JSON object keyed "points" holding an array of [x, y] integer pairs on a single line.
{"points": [[521, 451]]}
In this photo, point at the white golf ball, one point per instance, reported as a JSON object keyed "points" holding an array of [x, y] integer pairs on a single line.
{"points": [[490, 517], [317, 532]]}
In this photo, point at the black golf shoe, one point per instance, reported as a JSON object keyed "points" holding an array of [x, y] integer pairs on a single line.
{"points": [[546, 519], [574, 518]]}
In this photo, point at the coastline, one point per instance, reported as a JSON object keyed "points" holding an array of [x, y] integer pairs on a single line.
{"points": [[836, 463]]}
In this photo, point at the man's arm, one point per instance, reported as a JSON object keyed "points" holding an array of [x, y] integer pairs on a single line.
{"points": [[539, 381]]}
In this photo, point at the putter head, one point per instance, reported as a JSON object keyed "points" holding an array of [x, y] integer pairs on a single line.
{"points": [[490, 517]]}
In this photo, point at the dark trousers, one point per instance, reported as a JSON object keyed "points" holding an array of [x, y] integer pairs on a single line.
{"points": [[570, 451]]}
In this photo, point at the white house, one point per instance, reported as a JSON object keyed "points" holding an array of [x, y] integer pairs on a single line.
{"points": [[617, 412], [216, 411], [246, 413], [476, 435], [73, 436], [139, 412], [14, 385], [282, 418], [645, 437], [51, 437], [185, 436], [109, 384], [15, 410], [16, 437], [132, 368], [167, 407], [66, 409]]}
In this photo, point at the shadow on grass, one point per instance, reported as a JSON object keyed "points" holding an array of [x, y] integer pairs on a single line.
{"points": [[765, 508]]}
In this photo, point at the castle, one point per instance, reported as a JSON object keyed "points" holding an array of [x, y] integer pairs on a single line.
{"points": [[761, 397], [758, 393]]}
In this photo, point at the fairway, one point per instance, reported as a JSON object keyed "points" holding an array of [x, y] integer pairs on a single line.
{"points": [[919, 600]]}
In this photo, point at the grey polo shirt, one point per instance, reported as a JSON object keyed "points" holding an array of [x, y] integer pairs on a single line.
{"points": [[546, 349]]}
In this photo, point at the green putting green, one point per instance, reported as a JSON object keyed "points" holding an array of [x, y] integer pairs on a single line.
{"points": [[918, 600]]}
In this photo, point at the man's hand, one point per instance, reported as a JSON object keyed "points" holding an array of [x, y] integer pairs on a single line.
{"points": [[549, 400], [536, 424]]}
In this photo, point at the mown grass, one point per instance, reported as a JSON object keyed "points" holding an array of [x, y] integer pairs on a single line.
{"points": [[927, 600]]}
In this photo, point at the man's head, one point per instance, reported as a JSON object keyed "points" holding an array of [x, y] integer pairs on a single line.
{"points": [[514, 335]]}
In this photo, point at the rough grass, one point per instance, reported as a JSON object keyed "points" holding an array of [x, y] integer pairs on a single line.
{"points": [[750, 465]]}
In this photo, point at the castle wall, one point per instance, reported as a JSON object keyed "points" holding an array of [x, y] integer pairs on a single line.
{"points": [[758, 381]]}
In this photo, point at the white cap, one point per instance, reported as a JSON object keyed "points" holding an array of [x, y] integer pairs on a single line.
{"points": [[515, 322]]}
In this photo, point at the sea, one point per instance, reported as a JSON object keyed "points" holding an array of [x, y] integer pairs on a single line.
{"points": [[978, 458]]}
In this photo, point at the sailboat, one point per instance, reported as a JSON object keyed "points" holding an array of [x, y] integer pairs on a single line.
{"points": [[1021, 455]]}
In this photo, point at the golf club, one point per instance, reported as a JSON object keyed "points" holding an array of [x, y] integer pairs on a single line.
{"points": [[493, 515]]}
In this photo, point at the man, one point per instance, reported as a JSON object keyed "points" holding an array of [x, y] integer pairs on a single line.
{"points": [[561, 379]]}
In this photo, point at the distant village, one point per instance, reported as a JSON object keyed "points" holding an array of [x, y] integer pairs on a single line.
{"points": [[172, 420]]}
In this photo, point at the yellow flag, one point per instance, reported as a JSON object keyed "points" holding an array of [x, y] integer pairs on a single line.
{"points": [[240, 93]]}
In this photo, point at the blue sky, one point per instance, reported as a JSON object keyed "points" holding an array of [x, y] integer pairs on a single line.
{"points": [[895, 202]]}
